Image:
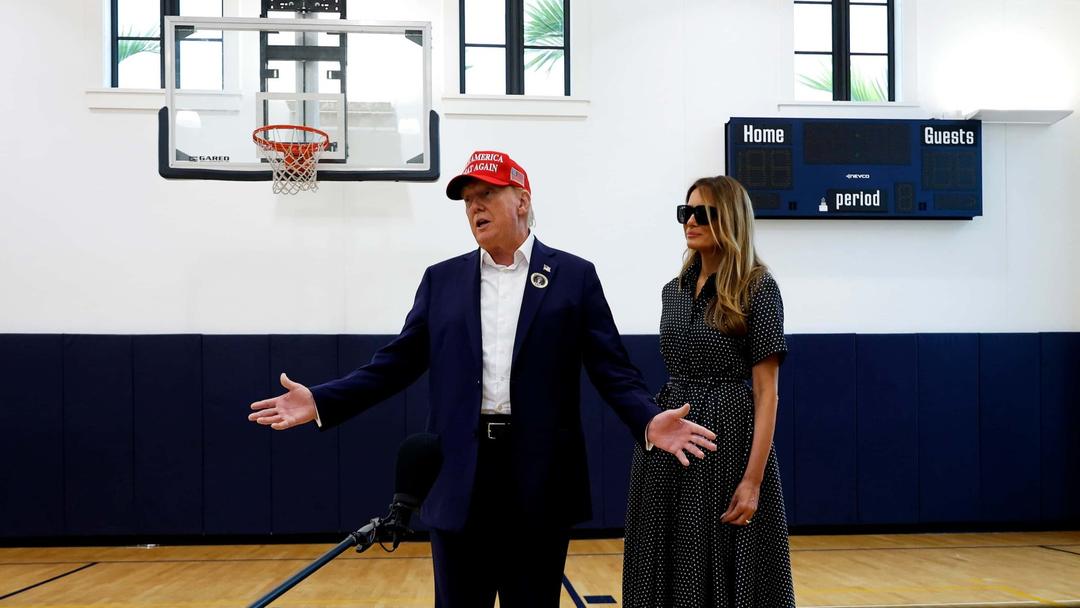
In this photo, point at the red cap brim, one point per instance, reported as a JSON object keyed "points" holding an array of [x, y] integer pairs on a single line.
{"points": [[454, 188]]}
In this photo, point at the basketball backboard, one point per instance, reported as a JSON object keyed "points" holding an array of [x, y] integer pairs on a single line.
{"points": [[366, 84]]}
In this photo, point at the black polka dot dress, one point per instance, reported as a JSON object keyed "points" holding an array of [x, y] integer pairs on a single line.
{"points": [[678, 553]]}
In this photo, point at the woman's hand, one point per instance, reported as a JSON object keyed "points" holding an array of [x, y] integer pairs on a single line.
{"points": [[743, 505]]}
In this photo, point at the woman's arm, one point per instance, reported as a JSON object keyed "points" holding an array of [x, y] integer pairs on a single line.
{"points": [[744, 502], [766, 377]]}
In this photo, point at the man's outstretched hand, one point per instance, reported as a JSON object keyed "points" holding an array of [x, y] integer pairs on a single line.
{"points": [[671, 432], [295, 407]]}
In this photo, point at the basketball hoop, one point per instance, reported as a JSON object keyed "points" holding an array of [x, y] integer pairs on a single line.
{"points": [[293, 159]]}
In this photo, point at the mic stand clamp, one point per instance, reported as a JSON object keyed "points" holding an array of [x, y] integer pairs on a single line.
{"points": [[376, 530]]}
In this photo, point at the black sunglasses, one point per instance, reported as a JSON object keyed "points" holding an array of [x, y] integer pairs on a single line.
{"points": [[700, 213]]}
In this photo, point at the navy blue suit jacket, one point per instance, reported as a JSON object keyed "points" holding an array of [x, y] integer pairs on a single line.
{"points": [[561, 327]]}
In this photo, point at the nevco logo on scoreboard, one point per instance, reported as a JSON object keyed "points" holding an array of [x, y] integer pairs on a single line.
{"points": [[947, 136], [857, 201], [765, 134]]}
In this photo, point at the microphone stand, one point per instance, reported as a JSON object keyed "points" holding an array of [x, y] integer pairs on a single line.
{"points": [[362, 539]]}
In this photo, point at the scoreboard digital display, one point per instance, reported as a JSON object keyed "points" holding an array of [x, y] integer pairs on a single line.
{"points": [[846, 168]]}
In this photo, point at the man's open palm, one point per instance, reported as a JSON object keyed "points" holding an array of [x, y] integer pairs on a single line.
{"points": [[295, 407], [670, 431]]}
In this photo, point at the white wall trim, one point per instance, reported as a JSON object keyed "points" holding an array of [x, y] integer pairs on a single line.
{"points": [[154, 99], [845, 104], [515, 105]]}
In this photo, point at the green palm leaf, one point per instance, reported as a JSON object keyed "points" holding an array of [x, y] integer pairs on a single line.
{"points": [[863, 88], [127, 48], [867, 88], [544, 26], [823, 82]]}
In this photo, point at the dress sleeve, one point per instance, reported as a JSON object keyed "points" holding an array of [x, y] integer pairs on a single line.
{"points": [[766, 321]]}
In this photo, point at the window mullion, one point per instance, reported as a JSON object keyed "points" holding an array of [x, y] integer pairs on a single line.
{"points": [[566, 47], [515, 47], [461, 46], [115, 37], [892, 48], [168, 7], [841, 51]]}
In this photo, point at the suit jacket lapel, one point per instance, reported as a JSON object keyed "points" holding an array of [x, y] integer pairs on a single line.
{"points": [[542, 263], [472, 318]]}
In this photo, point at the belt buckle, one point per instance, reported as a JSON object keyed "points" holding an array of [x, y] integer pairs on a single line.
{"points": [[490, 425]]}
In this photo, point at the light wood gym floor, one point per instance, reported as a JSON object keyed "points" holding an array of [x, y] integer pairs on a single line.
{"points": [[970, 570]]}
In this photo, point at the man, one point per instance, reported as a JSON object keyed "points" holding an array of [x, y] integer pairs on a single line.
{"points": [[503, 332]]}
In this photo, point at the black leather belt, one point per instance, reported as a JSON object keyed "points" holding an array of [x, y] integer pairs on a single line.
{"points": [[495, 427]]}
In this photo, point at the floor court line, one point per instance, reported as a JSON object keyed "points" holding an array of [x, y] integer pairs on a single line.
{"points": [[1002, 604], [590, 554], [46, 581], [213, 559], [1060, 549], [573, 593]]}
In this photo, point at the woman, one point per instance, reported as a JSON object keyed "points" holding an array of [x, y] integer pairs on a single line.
{"points": [[714, 534]]}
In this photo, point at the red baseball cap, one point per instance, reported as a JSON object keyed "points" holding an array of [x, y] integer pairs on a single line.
{"points": [[492, 167]]}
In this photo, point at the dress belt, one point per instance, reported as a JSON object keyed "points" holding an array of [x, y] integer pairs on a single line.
{"points": [[708, 380]]}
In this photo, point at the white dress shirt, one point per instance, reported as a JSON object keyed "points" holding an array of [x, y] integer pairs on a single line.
{"points": [[502, 289]]}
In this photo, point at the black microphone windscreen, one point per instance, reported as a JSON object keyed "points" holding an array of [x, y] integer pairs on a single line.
{"points": [[418, 463]]}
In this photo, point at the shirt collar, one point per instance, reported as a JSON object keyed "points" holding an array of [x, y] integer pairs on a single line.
{"points": [[688, 279], [523, 253], [690, 275]]}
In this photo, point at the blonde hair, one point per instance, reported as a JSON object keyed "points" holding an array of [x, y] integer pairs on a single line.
{"points": [[740, 268]]}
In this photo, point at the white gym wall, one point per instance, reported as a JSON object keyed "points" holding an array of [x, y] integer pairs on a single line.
{"points": [[93, 240]]}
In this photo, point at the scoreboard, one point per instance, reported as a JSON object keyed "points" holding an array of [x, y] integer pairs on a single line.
{"points": [[846, 168]]}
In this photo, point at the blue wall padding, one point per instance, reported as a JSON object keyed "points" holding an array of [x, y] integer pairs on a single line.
{"points": [[168, 434], [949, 428], [148, 435], [304, 460], [32, 450], [1060, 434], [825, 445], [99, 489], [1008, 434], [886, 385], [236, 453], [619, 443], [366, 475], [784, 435]]}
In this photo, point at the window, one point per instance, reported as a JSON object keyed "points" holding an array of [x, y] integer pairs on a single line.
{"points": [[514, 47], [137, 39], [136, 44], [845, 50]]}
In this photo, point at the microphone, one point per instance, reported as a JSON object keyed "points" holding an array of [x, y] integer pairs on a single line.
{"points": [[419, 461]]}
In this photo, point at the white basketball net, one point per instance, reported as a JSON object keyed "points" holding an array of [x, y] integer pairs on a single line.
{"points": [[292, 155]]}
